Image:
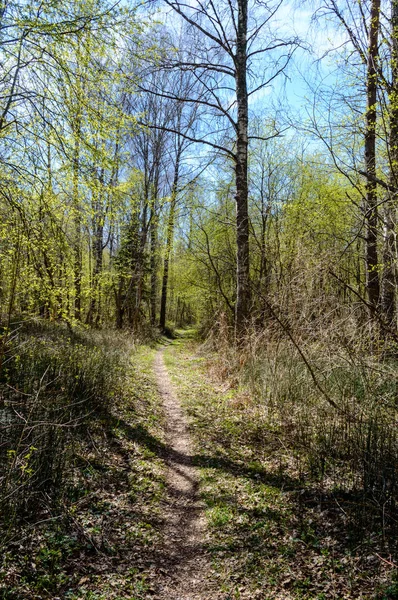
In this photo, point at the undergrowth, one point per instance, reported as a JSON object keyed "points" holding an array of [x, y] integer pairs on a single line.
{"points": [[290, 512], [332, 398], [77, 477]]}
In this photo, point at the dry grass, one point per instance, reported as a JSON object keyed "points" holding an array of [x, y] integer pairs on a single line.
{"points": [[330, 393]]}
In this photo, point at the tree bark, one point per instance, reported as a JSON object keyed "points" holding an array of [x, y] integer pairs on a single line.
{"points": [[76, 118], [371, 212], [153, 259], [94, 312], [169, 241], [242, 306], [139, 267], [388, 291], [119, 303], [77, 242]]}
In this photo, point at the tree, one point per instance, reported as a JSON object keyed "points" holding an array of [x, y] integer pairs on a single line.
{"points": [[60, 153], [183, 119], [150, 154], [371, 33], [389, 280], [362, 25], [371, 212], [225, 42]]}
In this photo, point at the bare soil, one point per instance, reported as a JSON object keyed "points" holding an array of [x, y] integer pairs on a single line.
{"points": [[185, 569]]}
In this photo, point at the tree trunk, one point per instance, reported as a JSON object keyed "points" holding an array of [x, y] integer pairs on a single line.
{"points": [[169, 241], [76, 123], [153, 259], [390, 250], [264, 275], [139, 268], [94, 311], [77, 242], [95, 308], [371, 213], [242, 307]]}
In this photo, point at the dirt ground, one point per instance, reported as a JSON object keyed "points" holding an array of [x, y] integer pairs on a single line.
{"points": [[186, 565]]}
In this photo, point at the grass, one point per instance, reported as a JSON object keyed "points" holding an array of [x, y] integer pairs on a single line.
{"points": [[94, 540], [275, 530]]}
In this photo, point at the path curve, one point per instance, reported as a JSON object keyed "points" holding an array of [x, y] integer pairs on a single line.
{"points": [[186, 565]]}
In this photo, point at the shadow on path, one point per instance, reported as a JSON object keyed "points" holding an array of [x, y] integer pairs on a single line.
{"points": [[140, 435]]}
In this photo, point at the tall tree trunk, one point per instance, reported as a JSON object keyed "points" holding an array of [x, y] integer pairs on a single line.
{"points": [[264, 275], [153, 259], [98, 243], [389, 281], [169, 240], [371, 213], [242, 307], [77, 241], [139, 268], [76, 122], [94, 311]]}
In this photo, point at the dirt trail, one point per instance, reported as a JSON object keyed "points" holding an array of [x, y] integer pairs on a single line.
{"points": [[185, 565]]}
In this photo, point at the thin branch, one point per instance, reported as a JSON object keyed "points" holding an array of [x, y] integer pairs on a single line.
{"points": [[190, 138]]}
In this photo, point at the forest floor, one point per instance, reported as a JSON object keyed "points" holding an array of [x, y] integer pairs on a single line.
{"points": [[186, 498], [272, 532]]}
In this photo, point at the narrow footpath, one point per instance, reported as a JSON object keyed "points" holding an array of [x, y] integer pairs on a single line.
{"points": [[186, 567]]}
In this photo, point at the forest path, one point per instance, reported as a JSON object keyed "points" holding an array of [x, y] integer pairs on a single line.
{"points": [[186, 566]]}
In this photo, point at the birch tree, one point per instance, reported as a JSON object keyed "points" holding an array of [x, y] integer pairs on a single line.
{"points": [[228, 41]]}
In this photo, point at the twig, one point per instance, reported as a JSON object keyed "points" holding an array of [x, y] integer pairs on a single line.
{"points": [[388, 562]]}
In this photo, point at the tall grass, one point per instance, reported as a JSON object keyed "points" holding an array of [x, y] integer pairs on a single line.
{"points": [[331, 397], [52, 382]]}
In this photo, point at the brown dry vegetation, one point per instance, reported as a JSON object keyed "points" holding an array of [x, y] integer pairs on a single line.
{"points": [[316, 411]]}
